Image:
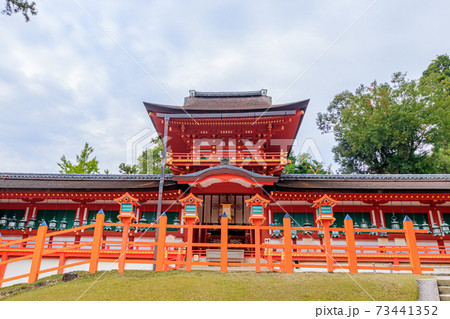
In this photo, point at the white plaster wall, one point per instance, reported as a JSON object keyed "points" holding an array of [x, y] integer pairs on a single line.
{"points": [[139, 266], [114, 238], [338, 242], [12, 238], [151, 240], [369, 242], [447, 246], [15, 269], [105, 266], [58, 241], [428, 243], [23, 266], [86, 239], [49, 263], [68, 261]]}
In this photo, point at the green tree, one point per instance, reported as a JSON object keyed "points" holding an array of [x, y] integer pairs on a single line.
{"points": [[439, 67], [149, 162], [27, 8], [128, 169], [84, 165], [397, 128], [304, 164]]}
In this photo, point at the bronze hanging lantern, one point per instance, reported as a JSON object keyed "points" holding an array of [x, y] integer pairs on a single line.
{"points": [[307, 224], [22, 224], [63, 224], [143, 221], [31, 223], [395, 224], [383, 234], [108, 228], [445, 228], [426, 227], [373, 226], [52, 224], [3, 221], [276, 232], [334, 233], [436, 230], [12, 223]]}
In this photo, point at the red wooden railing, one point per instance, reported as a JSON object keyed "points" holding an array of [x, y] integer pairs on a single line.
{"points": [[277, 257], [239, 159]]}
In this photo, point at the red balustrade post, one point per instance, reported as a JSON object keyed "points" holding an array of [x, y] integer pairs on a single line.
{"points": [[224, 243], [161, 242], [37, 253], [410, 235], [258, 244], [123, 246], [190, 235], [287, 244], [328, 249], [3, 267], [351, 248], [62, 261], [96, 242]]}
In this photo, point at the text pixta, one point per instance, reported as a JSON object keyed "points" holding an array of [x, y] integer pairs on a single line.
{"points": [[337, 311]]}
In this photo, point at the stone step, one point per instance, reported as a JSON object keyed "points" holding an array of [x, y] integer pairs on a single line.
{"points": [[444, 297], [444, 290], [443, 282]]}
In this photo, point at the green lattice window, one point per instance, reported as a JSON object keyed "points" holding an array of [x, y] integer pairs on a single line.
{"points": [[356, 217], [299, 218], [49, 214], [11, 213], [109, 215], [446, 217], [171, 216], [419, 218]]}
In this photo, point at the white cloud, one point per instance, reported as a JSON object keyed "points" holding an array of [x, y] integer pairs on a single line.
{"points": [[63, 81]]}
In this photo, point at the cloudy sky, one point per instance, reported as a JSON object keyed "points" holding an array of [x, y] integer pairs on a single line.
{"points": [[79, 71]]}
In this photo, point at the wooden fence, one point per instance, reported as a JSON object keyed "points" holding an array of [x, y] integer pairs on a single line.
{"points": [[283, 257]]}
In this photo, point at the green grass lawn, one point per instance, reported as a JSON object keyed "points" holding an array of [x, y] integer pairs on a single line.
{"points": [[211, 285]]}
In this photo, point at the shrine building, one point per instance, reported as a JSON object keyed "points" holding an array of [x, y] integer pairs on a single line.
{"points": [[223, 148]]}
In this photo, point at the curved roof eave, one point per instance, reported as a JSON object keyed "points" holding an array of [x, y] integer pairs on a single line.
{"points": [[171, 109]]}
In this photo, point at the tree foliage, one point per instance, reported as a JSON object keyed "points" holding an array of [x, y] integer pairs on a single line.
{"points": [[304, 164], [393, 128], [26, 7], [84, 165], [149, 162], [439, 67]]}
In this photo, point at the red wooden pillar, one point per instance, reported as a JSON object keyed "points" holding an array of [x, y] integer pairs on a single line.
{"points": [[327, 242], [37, 253], [62, 261], [224, 243], [161, 243], [96, 242], [123, 246], [128, 206], [258, 210], [325, 218], [351, 248], [410, 235], [3, 267], [190, 235], [258, 245], [287, 244]]}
